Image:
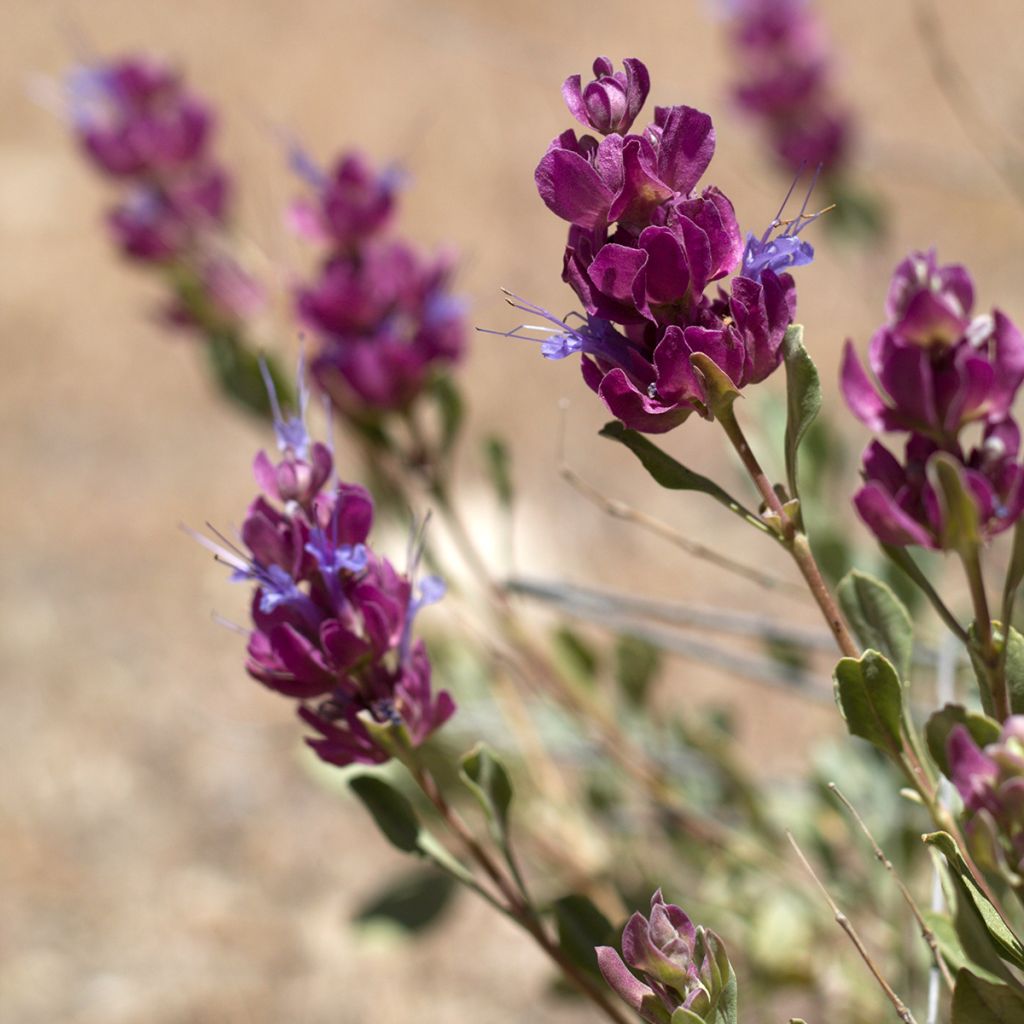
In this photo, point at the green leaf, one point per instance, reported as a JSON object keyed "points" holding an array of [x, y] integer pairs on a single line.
{"points": [[803, 398], [976, 1001], [236, 370], [576, 653], [428, 846], [499, 466], [879, 619], [725, 1009], [999, 935], [959, 511], [413, 902], [391, 811], [1014, 571], [637, 662], [983, 729], [674, 476], [948, 942], [486, 778], [582, 927], [1014, 668], [870, 697], [451, 409], [718, 384], [397, 820]]}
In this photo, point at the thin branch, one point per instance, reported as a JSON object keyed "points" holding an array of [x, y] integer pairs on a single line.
{"points": [[765, 670], [517, 899], [926, 932], [586, 602], [844, 922], [620, 510]]}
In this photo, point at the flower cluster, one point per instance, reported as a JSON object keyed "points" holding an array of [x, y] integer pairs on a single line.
{"points": [[991, 784], [382, 311], [785, 61], [332, 621], [941, 372], [643, 247], [138, 124], [679, 966]]}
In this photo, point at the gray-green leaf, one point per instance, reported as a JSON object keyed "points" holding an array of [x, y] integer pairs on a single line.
{"points": [[870, 697], [581, 928], [413, 902], [499, 469], [959, 510], [879, 618], [669, 473], [391, 811], [1000, 937], [486, 778], [976, 1001], [803, 398]]}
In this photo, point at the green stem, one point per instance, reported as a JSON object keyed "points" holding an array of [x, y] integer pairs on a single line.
{"points": [[901, 558], [984, 641], [518, 904], [792, 539]]}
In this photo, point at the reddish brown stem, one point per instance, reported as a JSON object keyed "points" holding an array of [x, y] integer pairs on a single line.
{"points": [[517, 905]]}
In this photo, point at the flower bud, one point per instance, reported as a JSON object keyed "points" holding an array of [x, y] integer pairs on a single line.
{"points": [[679, 966], [612, 100], [991, 784]]}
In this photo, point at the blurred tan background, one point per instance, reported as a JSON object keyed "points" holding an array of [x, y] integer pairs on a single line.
{"points": [[164, 855]]}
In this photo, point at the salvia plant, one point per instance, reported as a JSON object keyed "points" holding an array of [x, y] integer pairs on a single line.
{"points": [[679, 311]]}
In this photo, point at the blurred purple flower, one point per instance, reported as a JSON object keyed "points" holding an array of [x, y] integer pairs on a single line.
{"points": [[138, 124], [349, 204], [384, 315], [784, 68], [939, 369], [133, 117]]}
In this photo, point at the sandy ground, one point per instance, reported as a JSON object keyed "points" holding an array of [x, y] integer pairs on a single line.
{"points": [[165, 857]]}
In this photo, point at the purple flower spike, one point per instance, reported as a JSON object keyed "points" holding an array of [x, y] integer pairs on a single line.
{"points": [[332, 620], [937, 370], [643, 246], [991, 784], [140, 126], [901, 507], [612, 101], [352, 203], [383, 314], [668, 963]]}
